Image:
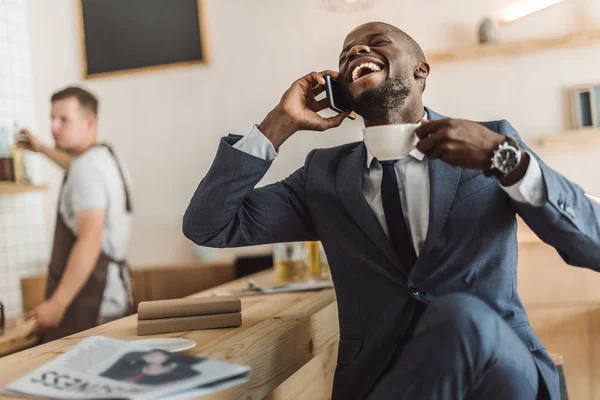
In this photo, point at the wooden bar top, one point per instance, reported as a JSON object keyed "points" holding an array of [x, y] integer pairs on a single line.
{"points": [[280, 333]]}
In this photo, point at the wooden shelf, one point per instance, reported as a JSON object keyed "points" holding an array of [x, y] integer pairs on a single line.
{"points": [[528, 46], [14, 188], [578, 137]]}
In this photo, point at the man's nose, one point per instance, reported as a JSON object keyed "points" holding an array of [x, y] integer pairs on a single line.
{"points": [[358, 50]]}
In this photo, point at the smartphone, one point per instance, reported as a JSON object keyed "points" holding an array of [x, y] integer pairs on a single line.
{"points": [[335, 96]]}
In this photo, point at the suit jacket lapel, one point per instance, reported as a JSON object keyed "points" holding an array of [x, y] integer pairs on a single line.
{"points": [[349, 189], [443, 182]]}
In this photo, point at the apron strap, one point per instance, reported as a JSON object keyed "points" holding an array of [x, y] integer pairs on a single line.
{"points": [[125, 269], [128, 203], [123, 265]]}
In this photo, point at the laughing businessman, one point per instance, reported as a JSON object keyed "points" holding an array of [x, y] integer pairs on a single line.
{"points": [[423, 251]]}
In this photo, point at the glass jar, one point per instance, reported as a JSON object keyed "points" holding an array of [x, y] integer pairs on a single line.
{"points": [[324, 263], [288, 261]]}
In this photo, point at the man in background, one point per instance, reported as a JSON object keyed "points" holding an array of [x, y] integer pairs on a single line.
{"points": [[88, 280]]}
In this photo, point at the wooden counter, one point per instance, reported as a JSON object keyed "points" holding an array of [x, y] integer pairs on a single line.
{"points": [[15, 337], [158, 282], [279, 335]]}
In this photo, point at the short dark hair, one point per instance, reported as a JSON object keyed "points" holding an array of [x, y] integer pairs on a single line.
{"points": [[415, 50], [413, 47], [87, 100]]}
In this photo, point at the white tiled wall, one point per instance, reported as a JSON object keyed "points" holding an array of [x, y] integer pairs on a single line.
{"points": [[23, 247], [15, 82]]}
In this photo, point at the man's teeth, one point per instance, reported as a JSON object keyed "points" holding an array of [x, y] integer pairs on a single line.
{"points": [[372, 66]]}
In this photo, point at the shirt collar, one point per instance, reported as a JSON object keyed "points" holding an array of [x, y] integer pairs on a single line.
{"points": [[415, 153]]}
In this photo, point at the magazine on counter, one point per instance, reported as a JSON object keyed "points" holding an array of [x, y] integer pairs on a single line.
{"points": [[104, 368]]}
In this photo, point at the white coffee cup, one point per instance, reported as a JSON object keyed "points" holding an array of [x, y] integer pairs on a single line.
{"points": [[390, 142]]}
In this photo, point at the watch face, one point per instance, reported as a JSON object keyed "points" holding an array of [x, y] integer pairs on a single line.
{"points": [[506, 158]]}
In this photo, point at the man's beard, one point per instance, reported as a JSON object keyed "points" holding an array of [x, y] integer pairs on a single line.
{"points": [[384, 100]]}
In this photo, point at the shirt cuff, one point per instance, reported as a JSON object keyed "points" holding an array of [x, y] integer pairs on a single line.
{"points": [[256, 144], [531, 189]]}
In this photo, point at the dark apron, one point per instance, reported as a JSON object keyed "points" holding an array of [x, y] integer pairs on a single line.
{"points": [[83, 312]]}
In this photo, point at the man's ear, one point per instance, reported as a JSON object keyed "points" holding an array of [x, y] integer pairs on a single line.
{"points": [[91, 120], [422, 72]]}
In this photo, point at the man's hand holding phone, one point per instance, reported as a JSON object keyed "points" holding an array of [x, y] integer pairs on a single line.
{"points": [[298, 108]]}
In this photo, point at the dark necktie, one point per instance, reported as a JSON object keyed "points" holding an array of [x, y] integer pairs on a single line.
{"points": [[392, 207]]}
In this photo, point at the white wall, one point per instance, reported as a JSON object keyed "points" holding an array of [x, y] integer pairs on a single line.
{"points": [[167, 124]]}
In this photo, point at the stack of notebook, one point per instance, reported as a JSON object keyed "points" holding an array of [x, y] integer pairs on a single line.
{"points": [[188, 314]]}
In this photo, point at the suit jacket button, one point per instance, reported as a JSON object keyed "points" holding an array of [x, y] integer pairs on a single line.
{"points": [[414, 291]]}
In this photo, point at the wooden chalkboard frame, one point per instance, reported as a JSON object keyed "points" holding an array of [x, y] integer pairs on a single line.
{"points": [[203, 40]]}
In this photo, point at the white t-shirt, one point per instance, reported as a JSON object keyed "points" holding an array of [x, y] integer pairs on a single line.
{"points": [[94, 181]]}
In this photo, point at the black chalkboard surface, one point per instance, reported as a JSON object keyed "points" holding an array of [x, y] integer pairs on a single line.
{"points": [[129, 35]]}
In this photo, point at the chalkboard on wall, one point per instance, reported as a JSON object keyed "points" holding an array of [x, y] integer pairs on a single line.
{"points": [[119, 36]]}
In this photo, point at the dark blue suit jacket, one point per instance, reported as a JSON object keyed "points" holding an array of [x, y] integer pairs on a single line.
{"points": [[471, 245]]}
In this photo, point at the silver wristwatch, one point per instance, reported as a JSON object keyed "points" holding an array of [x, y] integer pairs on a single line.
{"points": [[505, 159]]}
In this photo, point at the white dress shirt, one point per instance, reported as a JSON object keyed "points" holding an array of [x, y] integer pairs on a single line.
{"points": [[413, 181]]}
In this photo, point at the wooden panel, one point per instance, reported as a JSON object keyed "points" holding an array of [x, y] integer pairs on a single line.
{"points": [[150, 283], [277, 348], [563, 304], [572, 331], [313, 381], [544, 278], [33, 289], [141, 286], [595, 352], [175, 282], [529, 46]]}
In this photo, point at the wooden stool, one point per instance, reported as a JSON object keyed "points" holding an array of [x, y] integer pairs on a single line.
{"points": [[558, 362]]}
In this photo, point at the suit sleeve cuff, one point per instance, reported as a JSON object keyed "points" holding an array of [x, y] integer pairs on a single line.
{"points": [[257, 145], [531, 189]]}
